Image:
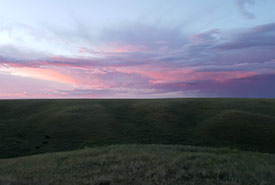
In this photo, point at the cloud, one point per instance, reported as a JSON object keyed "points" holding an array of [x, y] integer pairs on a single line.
{"points": [[38, 73], [20, 52], [240, 5], [258, 86], [156, 62], [259, 36]]}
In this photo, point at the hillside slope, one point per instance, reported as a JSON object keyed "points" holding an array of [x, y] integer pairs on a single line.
{"points": [[39, 126], [141, 164]]}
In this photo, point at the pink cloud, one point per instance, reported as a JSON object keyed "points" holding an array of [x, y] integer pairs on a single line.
{"points": [[171, 75], [39, 73], [113, 48], [144, 66]]}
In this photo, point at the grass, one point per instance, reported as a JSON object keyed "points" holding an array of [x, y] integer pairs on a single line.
{"points": [[39, 126], [137, 142], [141, 165]]}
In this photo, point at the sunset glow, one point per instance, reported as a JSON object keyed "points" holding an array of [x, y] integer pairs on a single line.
{"points": [[137, 49]]}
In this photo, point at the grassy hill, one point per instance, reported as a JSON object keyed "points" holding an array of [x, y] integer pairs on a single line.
{"points": [[39, 126], [141, 164]]}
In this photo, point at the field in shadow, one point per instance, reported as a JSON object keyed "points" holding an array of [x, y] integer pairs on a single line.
{"points": [[39, 126]]}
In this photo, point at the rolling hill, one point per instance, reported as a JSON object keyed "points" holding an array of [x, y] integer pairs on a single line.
{"points": [[39, 126]]}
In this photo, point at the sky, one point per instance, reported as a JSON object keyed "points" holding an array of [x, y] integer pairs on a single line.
{"points": [[137, 48]]}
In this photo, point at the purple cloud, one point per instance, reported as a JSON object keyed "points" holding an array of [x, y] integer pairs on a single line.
{"points": [[260, 36], [158, 62], [259, 86]]}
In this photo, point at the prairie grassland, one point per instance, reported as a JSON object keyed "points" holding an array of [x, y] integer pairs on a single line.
{"points": [[39, 126], [141, 165]]}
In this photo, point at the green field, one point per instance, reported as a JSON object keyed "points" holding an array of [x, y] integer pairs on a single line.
{"points": [[246, 127], [247, 124], [141, 165]]}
